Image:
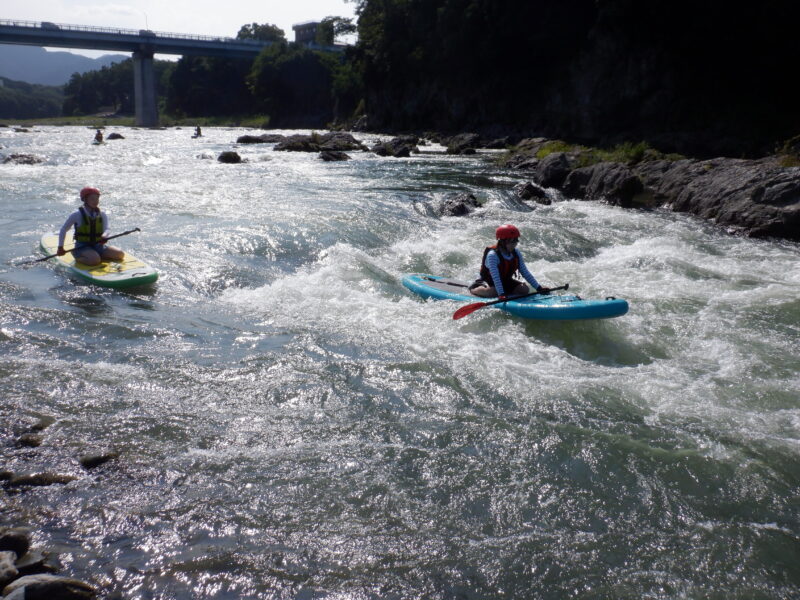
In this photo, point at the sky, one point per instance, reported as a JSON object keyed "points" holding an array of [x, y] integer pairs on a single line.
{"points": [[219, 18]]}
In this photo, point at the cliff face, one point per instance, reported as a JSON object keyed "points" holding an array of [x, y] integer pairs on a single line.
{"points": [[702, 78]]}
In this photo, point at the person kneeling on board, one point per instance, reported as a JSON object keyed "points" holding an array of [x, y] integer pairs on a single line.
{"points": [[499, 265], [91, 231]]}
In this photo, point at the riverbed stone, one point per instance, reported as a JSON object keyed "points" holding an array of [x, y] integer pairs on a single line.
{"points": [[457, 204], [398, 147], [40, 479], [316, 142], [42, 424], [333, 155], [340, 141], [90, 461], [266, 138], [531, 191], [30, 440], [48, 587], [8, 572], [463, 143], [23, 159], [34, 562], [229, 157], [15, 539]]}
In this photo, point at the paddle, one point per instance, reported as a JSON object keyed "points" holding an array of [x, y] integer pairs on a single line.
{"points": [[471, 308], [111, 237]]}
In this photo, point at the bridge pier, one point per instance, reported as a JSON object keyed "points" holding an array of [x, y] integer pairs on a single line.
{"points": [[144, 88]]}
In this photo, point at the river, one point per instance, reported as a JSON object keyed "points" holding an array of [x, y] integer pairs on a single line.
{"points": [[293, 423]]}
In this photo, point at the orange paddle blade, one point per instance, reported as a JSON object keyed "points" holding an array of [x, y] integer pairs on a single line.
{"points": [[469, 309]]}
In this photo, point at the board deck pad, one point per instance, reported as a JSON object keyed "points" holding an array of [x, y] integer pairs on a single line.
{"points": [[128, 272]]}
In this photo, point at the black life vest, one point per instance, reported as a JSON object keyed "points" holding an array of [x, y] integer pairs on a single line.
{"points": [[507, 267], [90, 230]]}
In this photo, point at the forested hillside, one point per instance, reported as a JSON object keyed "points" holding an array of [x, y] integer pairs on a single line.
{"points": [[20, 100], [697, 77]]}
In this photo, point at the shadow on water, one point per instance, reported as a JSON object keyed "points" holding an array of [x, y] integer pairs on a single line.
{"points": [[84, 299], [92, 300], [598, 341]]}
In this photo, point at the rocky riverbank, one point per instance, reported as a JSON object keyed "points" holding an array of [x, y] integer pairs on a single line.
{"points": [[25, 570], [758, 198]]}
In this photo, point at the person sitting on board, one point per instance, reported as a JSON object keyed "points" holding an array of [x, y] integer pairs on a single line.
{"points": [[91, 231], [98, 137], [498, 266]]}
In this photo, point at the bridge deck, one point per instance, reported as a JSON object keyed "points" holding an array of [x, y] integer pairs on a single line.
{"points": [[61, 35]]}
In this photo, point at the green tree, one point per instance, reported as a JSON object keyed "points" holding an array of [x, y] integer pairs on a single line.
{"points": [[20, 100], [110, 87], [265, 33], [331, 28], [294, 85], [206, 86]]}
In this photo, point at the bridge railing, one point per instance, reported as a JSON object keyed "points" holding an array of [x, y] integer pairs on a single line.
{"points": [[47, 26]]}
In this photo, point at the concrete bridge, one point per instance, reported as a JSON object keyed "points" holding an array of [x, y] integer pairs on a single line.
{"points": [[143, 44]]}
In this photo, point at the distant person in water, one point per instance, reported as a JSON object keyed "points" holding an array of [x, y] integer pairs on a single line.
{"points": [[98, 137], [197, 132], [499, 265], [91, 232]]}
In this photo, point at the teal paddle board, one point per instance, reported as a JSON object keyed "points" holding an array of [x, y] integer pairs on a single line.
{"points": [[551, 307]]}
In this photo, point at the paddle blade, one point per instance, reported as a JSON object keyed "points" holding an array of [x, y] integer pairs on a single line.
{"points": [[467, 310]]}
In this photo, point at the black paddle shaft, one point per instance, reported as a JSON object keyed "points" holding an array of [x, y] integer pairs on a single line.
{"points": [[111, 237]]}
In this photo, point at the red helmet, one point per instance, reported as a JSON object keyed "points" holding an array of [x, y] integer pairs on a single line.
{"points": [[506, 232], [89, 190]]}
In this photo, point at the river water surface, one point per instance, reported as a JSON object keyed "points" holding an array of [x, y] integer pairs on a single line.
{"points": [[292, 423]]}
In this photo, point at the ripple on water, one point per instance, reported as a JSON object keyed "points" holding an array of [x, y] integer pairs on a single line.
{"points": [[292, 422]]}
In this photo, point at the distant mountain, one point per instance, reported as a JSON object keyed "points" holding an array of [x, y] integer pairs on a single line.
{"points": [[33, 64]]}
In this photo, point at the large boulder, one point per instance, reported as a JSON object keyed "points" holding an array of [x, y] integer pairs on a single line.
{"points": [[95, 459], [23, 159], [266, 138], [457, 204], [48, 587], [229, 157], [758, 197], [531, 191], [40, 479], [613, 182], [317, 142], [8, 572], [399, 147], [333, 156], [552, 170], [463, 143], [15, 540], [341, 141]]}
